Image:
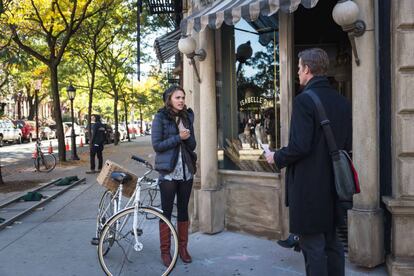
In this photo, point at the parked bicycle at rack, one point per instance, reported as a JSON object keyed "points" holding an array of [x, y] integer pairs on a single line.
{"points": [[127, 234], [43, 162]]}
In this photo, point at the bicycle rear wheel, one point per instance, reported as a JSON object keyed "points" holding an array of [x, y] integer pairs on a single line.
{"points": [[125, 257], [45, 162]]}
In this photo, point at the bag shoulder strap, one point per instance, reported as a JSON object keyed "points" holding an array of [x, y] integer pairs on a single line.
{"points": [[324, 121]]}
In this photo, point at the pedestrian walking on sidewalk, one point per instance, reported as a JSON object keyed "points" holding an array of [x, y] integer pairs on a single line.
{"points": [[174, 143], [310, 188], [96, 143]]}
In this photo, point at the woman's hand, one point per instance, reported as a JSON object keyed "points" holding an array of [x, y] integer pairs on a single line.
{"points": [[184, 134]]}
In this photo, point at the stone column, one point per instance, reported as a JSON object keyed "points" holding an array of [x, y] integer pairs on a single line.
{"points": [[401, 204], [287, 76], [192, 89], [365, 220], [211, 197]]}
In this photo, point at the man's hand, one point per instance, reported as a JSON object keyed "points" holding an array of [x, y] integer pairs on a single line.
{"points": [[270, 157], [184, 134]]}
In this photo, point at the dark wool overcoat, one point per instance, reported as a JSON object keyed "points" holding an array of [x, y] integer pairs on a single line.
{"points": [[166, 140], [310, 190]]}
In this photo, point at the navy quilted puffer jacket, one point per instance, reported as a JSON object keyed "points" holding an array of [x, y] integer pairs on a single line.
{"points": [[166, 140]]}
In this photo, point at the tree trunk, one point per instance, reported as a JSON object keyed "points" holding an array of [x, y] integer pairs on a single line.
{"points": [[30, 101], [31, 115], [141, 126], [126, 119], [116, 98], [58, 115], [93, 70]]}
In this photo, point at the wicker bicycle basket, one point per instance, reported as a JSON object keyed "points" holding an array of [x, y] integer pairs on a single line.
{"points": [[104, 178]]}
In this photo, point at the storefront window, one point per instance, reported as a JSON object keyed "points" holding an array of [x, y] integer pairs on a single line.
{"points": [[248, 94]]}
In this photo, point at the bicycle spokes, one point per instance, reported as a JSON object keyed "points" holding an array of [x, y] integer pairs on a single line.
{"points": [[135, 244]]}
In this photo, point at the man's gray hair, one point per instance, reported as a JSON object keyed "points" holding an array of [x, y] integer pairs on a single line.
{"points": [[316, 59]]}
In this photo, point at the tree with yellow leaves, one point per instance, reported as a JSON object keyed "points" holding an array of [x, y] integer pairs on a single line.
{"points": [[43, 29]]}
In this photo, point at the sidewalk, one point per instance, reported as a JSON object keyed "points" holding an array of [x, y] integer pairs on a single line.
{"points": [[56, 239]]}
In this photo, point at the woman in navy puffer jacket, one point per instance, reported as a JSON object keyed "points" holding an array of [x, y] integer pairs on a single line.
{"points": [[173, 140]]}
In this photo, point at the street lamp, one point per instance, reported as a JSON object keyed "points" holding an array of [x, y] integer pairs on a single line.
{"points": [[71, 95], [38, 85], [141, 101]]}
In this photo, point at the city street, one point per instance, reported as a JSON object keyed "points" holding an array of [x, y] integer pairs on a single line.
{"points": [[11, 153], [55, 240]]}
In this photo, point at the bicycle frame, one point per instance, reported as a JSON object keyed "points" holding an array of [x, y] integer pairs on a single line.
{"points": [[135, 198]]}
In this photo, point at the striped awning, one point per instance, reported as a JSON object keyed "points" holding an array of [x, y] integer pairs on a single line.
{"points": [[231, 11], [166, 46]]}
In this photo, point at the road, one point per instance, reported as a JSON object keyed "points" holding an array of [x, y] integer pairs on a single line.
{"points": [[12, 153]]}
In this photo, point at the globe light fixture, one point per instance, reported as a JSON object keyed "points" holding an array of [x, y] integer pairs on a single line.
{"points": [[187, 46], [345, 14]]}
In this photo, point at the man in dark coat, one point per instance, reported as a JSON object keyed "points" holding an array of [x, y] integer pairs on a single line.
{"points": [[311, 195], [97, 143]]}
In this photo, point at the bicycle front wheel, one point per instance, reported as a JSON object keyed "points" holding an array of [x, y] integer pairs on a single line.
{"points": [[106, 209], [135, 251], [45, 162]]}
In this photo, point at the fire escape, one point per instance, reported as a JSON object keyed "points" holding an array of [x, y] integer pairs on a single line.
{"points": [[165, 46]]}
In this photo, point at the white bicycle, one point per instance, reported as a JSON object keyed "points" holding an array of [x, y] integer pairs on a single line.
{"points": [[129, 237]]}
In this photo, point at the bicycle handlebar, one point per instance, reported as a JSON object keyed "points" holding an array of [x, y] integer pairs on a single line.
{"points": [[141, 160]]}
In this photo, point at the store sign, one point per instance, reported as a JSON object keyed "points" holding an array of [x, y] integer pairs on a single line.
{"points": [[254, 100]]}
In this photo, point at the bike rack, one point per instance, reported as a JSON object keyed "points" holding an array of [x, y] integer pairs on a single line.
{"points": [[17, 200]]}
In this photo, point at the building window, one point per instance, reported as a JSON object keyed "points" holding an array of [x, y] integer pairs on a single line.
{"points": [[247, 61]]}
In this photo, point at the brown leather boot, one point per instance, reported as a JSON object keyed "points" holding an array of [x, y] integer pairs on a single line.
{"points": [[165, 243], [183, 241]]}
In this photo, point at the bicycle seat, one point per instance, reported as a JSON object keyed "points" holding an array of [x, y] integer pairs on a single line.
{"points": [[120, 177]]}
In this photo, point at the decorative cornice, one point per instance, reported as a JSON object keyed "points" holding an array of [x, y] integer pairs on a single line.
{"points": [[399, 206]]}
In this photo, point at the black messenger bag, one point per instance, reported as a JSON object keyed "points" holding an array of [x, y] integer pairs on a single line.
{"points": [[346, 177]]}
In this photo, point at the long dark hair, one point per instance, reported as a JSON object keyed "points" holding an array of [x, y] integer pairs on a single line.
{"points": [[181, 115]]}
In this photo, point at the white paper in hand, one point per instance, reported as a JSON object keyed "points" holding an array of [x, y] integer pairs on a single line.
{"points": [[265, 147]]}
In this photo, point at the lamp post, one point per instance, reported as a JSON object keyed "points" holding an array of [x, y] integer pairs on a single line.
{"points": [[38, 85], [71, 95], [141, 101]]}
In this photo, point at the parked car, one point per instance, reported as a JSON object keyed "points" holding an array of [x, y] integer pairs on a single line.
{"points": [[135, 127], [132, 129], [48, 132], [67, 129], [28, 129], [9, 132], [122, 132]]}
